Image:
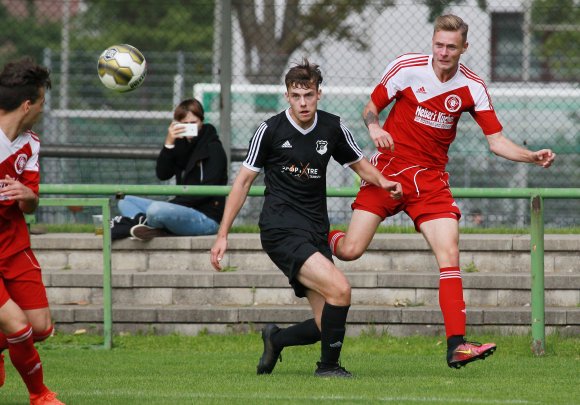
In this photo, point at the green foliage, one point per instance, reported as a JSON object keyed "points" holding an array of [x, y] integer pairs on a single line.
{"points": [[470, 268], [28, 35], [559, 44], [177, 25], [438, 7]]}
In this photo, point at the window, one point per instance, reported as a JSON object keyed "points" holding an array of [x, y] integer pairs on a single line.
{"points": [[546, 60]]}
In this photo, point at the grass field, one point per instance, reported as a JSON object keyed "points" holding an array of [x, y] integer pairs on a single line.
{"points": [[222, 370]]}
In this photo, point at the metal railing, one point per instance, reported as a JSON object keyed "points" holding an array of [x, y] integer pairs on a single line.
{"points": [[104, 204], [536, 196]]}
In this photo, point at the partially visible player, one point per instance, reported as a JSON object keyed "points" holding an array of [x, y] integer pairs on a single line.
{"points": [[24, 313], [294, 148], [429, 92]]}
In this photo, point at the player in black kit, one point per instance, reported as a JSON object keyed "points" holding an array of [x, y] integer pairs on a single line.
{"points": [[294, 148]]}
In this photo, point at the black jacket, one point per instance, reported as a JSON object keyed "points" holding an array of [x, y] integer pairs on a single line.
{"points": [[202, 161]]}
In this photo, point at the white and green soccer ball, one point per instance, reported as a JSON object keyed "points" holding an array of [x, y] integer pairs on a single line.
{"points": [[122, 68]]}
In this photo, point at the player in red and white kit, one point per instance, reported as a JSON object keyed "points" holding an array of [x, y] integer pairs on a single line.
{"points": [[430, 92], [24, 313]]}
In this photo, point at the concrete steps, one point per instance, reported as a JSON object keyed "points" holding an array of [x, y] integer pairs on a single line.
{"points": [[167, 285]]}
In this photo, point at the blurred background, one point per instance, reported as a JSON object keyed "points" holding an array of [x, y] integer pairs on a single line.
{"points": [[526, 50]]}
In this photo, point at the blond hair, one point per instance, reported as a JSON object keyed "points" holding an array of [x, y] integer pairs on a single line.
{"points": [[451, 22]]}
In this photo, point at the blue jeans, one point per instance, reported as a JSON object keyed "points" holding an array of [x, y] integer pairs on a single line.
{"points": [[175, 218]]}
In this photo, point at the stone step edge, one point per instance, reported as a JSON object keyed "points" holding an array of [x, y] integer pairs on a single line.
{"points": [[251, 242], [359, 314], [502, 281]]}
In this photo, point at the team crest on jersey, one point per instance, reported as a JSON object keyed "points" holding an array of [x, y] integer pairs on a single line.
{"points": [[20, 163], [453, 103], [321, 147]]}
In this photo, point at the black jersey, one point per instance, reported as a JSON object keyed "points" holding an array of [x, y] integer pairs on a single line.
{"points": [[294, 161]]}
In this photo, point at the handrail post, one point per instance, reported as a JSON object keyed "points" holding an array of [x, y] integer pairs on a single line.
{"points": [[107, 278], [537, 253]]}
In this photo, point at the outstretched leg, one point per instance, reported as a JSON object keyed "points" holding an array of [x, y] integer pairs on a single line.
{"points": [[442, 234]]}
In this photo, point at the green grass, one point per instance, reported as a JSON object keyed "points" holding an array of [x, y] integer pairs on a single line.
{"points": [[222, 370]]}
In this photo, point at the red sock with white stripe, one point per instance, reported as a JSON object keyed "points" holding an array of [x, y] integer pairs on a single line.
{"points": [[451, 301], [26, 360], [333, 238]]}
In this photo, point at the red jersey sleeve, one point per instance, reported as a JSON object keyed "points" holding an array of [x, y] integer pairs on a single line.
{"points": [[487, 121], [380, 97]]}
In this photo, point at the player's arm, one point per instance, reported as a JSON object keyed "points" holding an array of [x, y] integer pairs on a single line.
{"points": [[16, 191], [369, 173], [234, 203], [502, 146], [380, 137]]}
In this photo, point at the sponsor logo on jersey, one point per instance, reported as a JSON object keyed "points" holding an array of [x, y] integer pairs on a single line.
{"points": [[435, 119], [421, 90], [20, 163], [287, 145], [453, 103], [321, 147], [302, 171]]}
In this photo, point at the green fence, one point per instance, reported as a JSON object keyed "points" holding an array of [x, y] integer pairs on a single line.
{"points": [[104, 204], [536, 197]]}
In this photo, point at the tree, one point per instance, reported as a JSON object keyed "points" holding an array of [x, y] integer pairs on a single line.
{"points": [[556, 25], [316, 21], [24, 34], [184, 25]]}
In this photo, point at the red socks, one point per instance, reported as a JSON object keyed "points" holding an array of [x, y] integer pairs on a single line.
{"points": [[26, 360], [451, 301], [333, 238]]}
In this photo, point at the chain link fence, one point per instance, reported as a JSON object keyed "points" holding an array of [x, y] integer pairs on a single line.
{"points": [[522, 49]]}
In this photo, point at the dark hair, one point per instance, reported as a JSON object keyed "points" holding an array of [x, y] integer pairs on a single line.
{"points": [[189, 105], [22, 80], [303, 75]]}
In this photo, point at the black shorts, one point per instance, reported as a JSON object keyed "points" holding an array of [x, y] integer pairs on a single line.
{"points": [[290, 248]]}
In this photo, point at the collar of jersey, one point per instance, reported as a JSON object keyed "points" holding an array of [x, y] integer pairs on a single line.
{"points": [[298, 127], [448, 83]]}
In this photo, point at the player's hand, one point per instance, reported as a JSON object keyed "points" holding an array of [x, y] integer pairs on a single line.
{"points": [[544, 157], [381, 138], [12, 189], [395, 189], [217, 252]]}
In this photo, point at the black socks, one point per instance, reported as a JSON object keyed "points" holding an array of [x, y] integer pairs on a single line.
{"points": [[304, 333], [332, 335], [454, 341]]}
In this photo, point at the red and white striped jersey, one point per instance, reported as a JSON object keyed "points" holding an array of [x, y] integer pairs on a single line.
{"points": [[423, 120], [19, 160]]}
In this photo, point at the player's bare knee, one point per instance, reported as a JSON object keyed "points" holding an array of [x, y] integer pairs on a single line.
{"points": [[38, 335], [448, 255], [341, 294]]}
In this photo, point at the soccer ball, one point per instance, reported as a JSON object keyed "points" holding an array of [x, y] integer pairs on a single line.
{"points": [[122, 68]]}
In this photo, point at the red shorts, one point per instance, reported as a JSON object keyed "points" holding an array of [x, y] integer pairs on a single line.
{"points": [[21, 281], [426, 192]]}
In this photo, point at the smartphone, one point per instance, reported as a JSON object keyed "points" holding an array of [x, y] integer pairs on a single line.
{"points": [[190, 129]]}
